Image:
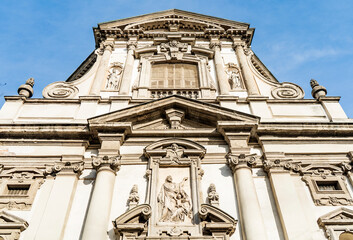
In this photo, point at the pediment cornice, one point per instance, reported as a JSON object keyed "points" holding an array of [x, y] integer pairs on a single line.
{"points": [[205, 113], [170, 22]]}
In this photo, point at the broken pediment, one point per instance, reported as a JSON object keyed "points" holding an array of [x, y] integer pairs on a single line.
{"points": [[170, 22], [216, 221], [134, 221], [173, 112]]}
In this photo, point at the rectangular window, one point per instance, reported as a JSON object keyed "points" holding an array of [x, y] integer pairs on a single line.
{"points": [[19, 190], [174, 76], [328, 185]]}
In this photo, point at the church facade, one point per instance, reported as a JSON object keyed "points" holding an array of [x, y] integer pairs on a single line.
{"points": [[173, 128]]}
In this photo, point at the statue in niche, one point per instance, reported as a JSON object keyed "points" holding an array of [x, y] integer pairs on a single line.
{"points": [[114, 76], [174, 153], [174, 202], [233, 76]]}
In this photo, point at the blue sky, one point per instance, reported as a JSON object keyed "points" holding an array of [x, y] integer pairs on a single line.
{"points": [[297, 40]]}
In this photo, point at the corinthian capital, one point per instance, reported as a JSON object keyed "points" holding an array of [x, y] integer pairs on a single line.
{"points": [[106, 162], [65, 168], [235, 161]]}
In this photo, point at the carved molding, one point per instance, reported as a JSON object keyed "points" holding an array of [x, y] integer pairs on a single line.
{"points": [[60, 90], [65, 168], [26, 180], [173, 49], [327, 185], [287, 91], [112, 163], [281, 165], [174, 152]]}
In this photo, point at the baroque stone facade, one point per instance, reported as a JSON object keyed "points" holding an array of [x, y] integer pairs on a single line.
{"points": [[173, 128]]}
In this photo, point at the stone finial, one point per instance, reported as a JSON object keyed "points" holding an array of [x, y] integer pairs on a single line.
{"points": [[318, 90], [134, 197], [26, 89], [213, 196]]}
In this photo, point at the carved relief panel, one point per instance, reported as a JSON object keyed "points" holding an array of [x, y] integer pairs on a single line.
{"points": [[174, 183]]}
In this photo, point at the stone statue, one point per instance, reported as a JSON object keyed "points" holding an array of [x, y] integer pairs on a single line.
{"points": [[213, 196], [174, 202], [134, 197], [234, 79], [114, 77]]}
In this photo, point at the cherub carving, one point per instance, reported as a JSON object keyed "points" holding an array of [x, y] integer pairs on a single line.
{"points": [[174, 153]]}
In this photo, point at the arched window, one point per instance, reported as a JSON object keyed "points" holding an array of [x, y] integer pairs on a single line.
{"points": [[174, 76], [346, 236]]}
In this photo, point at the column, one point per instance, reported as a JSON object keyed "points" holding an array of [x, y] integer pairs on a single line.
{"points": [[106, 164], [253, 227], [106, 51], [294, 222], [249, 80], [220, 71], [128, 68], [58, 206]]}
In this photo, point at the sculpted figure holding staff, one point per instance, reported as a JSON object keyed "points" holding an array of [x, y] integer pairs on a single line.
{"points": [[174, 203]]}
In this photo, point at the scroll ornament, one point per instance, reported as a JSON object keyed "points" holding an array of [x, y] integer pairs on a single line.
{"points": [[287, 91], [60, 90]]}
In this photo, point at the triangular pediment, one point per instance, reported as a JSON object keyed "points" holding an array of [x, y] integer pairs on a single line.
{"points": [[341, 216], [172, 21], [173, 112]]}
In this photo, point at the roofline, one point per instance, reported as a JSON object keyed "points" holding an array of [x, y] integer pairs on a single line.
{"points": [[175, 11]]}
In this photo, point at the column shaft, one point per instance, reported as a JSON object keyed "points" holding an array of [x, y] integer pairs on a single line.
{"points": [[221, 74], [249, 80], [102, 69], [99, 208], [250, 212], [98, 214], [128, 68]]}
